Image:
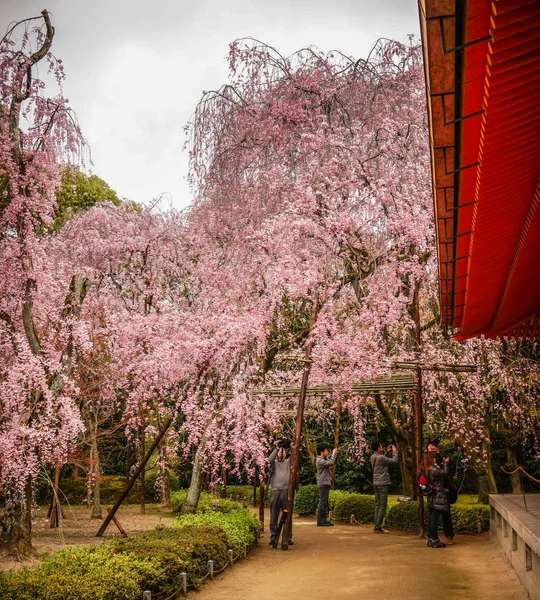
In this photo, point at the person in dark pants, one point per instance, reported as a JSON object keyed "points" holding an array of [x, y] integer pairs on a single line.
{"points": [[443, 463], [324, 481], [438, 502], [280, 469], [381, 483]]}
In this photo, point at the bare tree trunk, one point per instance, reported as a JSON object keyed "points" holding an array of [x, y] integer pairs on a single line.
{"points": [[55, 508], [224, 487], [143, 472], [404, 440], [165, 489], [485, 480], [95, 475], [16, 536], [406, 473], [511, 461], [195, 487]]}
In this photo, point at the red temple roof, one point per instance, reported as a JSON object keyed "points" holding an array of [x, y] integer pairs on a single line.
{"points": [[483, 86]]}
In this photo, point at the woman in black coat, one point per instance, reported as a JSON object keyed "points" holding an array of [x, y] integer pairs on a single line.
{"points": [[438, 501]]}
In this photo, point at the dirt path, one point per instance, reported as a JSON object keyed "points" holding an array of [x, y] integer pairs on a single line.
{"points": [[351, 562], [79, 529]]}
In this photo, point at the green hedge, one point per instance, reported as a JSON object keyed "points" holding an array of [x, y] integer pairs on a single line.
{"points": [[306, 499], [207, 502], [359, 505], [240, 526], [74, 490], [86, 573], [466, 518], [472, 518], [125, 568], [335, 496], [243, 494], [403, 515], [178, 550]]}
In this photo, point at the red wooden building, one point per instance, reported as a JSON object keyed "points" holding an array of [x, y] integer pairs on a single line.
{"points": [[483, 88]]}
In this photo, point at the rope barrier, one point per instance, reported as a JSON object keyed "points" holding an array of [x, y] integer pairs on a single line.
{"points": [[231, 559], [522, 470]]}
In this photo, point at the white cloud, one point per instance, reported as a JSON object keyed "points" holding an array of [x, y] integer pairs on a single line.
{"points": [[135, 70]]}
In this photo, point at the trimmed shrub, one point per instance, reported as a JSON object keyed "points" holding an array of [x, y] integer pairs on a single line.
{"points": [[465, 518], [403, 515], [306, 499], [178, 549], [242, 493], [74, 490], [471, 518], [359, 505], [86, 573], [224, 505], [207, 502], [336, 495], [149, 561], [240, 526]]}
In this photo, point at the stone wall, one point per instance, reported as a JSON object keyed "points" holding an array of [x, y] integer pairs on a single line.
{"points": [[515, 525]]}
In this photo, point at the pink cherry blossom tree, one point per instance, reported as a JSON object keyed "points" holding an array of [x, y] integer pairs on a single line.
{"points": [[38, 418], [312, 175], [313, 170]]}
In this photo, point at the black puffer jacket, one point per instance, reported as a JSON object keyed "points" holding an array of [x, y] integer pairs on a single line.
{"points": [[439, 479]]}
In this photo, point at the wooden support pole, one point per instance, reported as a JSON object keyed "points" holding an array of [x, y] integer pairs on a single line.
{"points": [[117, 523], [132, 481], [418, 412], [295, 458], [418, 421], [336, 441], [262, 491]]}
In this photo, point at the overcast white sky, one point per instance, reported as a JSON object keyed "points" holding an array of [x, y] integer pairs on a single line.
{"points": [[136, 69]]}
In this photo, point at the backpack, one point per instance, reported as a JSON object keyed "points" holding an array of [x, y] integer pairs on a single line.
{"points": [[424, 487]]}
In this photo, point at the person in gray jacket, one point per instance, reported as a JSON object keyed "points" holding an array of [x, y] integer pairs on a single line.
{"points": [[324, 481], [381, 482], [280, 470]]}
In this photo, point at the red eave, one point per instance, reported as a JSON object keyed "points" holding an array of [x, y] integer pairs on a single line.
{"points": [[483, 83]]}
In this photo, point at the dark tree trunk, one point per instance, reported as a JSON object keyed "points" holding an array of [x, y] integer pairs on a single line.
{"points": [[165, 489], [405, 441], [54, 511], [16, 536], [224, 487], [515, 478], [95, 472], [406, 473], [143, 472]]}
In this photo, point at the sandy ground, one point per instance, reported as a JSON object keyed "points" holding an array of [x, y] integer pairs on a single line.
{"points": [[350, 561], [79, 529]]}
